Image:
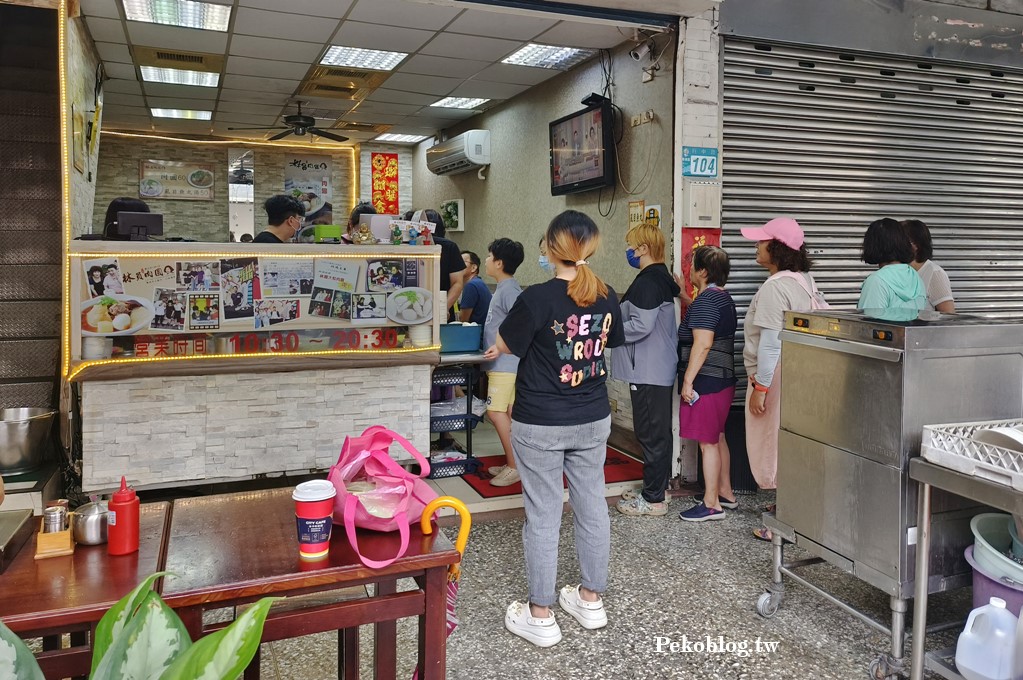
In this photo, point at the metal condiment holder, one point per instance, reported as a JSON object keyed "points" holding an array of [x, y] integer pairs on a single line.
{"points": [[54, 538]]}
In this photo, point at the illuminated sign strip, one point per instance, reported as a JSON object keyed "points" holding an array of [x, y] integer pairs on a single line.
{"points": [[368, 254], [199, 357], [65, 189]]}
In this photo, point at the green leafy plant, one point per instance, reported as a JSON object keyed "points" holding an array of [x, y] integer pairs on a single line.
{"points": [[141, 637], [449, 213]]}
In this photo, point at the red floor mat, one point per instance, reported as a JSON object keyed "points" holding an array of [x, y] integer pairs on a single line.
{"points": [[617, 468]]}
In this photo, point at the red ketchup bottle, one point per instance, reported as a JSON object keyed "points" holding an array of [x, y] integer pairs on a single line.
{"points": [[123, 521]]}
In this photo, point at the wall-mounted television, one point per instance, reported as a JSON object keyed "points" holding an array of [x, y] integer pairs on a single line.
{"points": [[582, 150]]}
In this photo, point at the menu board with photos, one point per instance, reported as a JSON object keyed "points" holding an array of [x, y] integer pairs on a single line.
{"points": [[199, 305]]}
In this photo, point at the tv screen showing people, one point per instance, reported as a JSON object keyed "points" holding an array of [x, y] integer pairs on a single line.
{"points": [[579, 158]]}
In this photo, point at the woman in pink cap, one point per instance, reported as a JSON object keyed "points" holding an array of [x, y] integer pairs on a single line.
{"points": [[781, 251]]}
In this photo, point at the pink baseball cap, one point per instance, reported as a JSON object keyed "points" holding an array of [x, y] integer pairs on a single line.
{"points": [[784, 229]]}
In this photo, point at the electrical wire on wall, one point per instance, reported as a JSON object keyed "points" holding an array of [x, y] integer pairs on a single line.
{"points": [[655, 62], [651, 159], [607, 90]]}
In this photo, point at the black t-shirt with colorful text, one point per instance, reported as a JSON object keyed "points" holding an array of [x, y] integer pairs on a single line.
{"points": [[563, 366]]}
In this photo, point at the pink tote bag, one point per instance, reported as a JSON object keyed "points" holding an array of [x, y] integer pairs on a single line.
{"points": [[391, 499]]}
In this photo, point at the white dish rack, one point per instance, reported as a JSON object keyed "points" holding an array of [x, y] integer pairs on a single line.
{"points": [[952, 446]]}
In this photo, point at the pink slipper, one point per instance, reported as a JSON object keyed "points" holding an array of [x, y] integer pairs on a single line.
{"points": [[763, 534]]}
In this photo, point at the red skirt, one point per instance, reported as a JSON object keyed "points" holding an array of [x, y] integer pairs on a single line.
{"points": [[704, 421]]}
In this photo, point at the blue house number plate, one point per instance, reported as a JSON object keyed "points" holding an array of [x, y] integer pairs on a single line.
{"points": [[699, 162]]}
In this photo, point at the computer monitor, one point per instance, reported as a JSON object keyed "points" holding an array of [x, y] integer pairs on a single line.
{"points": [[138, 226]]}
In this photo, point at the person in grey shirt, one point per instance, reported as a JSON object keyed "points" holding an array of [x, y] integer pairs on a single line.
{"points": [[647, 362], [503, 259]]}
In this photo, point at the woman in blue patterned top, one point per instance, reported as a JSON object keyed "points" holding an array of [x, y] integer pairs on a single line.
{"points": [[706, 376]]}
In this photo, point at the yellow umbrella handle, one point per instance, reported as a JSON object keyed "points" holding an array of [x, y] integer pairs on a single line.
{"points": [[459, 506]]}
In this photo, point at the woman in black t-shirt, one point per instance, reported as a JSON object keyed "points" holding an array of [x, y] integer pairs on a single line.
{"points": [[560, 424]]}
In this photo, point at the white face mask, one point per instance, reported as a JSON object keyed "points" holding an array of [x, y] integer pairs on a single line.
{"points": [[297, 229]]}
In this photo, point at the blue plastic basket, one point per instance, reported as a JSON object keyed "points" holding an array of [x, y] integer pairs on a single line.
{"points": [[454, 468], [454, 423]]}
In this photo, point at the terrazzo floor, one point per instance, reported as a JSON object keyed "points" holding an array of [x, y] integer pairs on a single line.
{"points": [[671, 582]]}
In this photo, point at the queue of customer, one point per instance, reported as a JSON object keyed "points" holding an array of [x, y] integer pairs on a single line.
{"points": [[705, 340]]}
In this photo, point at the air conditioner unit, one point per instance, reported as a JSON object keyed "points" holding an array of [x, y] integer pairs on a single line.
{"points": [[468, 151]]}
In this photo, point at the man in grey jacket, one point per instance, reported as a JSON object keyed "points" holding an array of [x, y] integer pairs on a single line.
{"points": [[647, 362]]}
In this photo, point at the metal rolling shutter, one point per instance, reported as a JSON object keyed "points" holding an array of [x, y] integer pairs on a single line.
{"points": [[30, 208], [837, 139]]}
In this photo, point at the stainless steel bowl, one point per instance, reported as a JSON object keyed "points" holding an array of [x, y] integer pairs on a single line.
{"points": [[89, 523], [23, 438]]}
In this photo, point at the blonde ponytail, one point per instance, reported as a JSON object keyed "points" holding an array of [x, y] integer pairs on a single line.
{"points": [[573, 238]]}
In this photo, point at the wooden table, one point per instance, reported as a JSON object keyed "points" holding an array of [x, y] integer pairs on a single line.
{"points": [[46, 598], [233, 549]]}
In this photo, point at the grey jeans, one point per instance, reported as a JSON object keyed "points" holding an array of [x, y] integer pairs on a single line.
{"points": [[543, 453]]}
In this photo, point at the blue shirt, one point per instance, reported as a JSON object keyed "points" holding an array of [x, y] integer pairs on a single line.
{"points": [[476, 296], [712, 310]]}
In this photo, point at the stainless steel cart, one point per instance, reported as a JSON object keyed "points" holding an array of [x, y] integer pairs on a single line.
{"points": [[857, 393], [932, 477]]}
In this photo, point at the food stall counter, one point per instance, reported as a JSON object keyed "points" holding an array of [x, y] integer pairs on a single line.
{"points": [[213, 362]]}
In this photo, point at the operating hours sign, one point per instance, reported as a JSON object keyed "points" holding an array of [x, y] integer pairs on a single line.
{"points": [[699, 162]]}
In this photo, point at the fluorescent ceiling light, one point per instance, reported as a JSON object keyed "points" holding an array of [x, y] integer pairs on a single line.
{"points": [[179, 76], [182, 113], [186, 13], [549, 56], [460, 103], [375, 60], [402, 139]]}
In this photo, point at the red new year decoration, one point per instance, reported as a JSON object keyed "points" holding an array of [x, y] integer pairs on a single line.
{"points": [[693, 238], [385, 183]]}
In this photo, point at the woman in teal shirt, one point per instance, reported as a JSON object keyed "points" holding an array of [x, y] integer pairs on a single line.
{"points": [[895, 292]]}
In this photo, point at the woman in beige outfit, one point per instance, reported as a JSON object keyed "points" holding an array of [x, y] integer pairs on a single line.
{"points": [[781, 251]]}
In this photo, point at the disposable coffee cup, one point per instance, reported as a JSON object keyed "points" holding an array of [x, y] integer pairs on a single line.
{"points": [[314, 509]]}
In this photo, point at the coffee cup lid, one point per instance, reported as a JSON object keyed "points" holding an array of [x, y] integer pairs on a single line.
{"points": [[315, 490]]}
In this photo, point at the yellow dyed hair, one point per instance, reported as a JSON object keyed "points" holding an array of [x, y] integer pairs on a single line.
{"points": [[646, 234]]}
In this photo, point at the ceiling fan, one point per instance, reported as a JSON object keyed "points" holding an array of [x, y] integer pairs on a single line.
{"points": [[297, 124], [241, 174]]}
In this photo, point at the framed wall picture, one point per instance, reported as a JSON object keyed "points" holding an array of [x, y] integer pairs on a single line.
{"points": [[453, 214], [176, 181], [78, 137]]}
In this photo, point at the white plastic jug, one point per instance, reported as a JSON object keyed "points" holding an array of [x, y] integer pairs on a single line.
{"points": [[1017, 665], [987, 644]]}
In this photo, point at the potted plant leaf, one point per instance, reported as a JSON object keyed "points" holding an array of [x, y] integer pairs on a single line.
{"points": [[141, 637]]}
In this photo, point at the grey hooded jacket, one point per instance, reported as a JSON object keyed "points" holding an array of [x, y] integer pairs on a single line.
{"points": [[650, 353]]}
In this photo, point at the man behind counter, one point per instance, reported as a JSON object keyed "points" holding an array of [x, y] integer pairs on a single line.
{"points": [[451, 262], [284, 219]]}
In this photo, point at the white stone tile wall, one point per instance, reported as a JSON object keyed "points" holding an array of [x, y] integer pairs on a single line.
{"points": [[167, 431], [698, 100], [268, 180], [118, 175], [81, 79], [618, 392]]}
